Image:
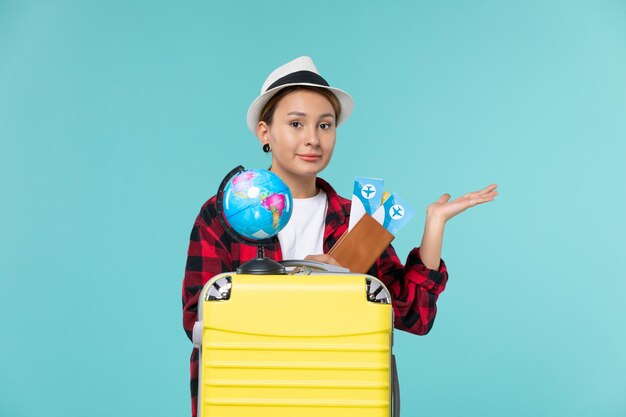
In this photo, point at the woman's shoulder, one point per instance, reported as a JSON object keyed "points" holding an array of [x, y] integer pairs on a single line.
{"points": [[208, 212]]}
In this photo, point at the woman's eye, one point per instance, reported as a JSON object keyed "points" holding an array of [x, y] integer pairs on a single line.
{"points": [[325, 126], [295, 124]]}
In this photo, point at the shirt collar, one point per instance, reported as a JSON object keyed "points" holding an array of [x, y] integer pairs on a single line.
{"points": [[337, 212]]}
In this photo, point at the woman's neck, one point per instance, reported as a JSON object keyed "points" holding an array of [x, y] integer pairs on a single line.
{"points": [[301, 187]]}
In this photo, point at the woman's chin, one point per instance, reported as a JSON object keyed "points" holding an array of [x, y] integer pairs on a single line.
{"points": [[312, 168]]}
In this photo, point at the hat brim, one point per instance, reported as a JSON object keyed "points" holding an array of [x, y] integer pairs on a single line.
{"points": [[254, 111]]}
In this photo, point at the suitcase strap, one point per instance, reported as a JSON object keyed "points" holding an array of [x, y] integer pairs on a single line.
{"points": [[314, 265], [395, 393]]}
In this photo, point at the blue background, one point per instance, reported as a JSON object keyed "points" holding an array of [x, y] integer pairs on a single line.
{"points": [[119, 119]]}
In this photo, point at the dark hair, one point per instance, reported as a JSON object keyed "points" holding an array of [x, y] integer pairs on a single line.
{"points": [[267, 114]]}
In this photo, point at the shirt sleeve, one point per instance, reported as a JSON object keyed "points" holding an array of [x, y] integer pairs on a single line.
{"points": [[208, 255], [414, 289]]}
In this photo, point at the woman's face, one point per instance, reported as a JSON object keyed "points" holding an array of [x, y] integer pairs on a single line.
{"points": [[302, 134]]}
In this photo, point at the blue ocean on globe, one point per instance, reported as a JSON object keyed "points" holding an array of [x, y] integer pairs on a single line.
{"points": [[257, 204]]}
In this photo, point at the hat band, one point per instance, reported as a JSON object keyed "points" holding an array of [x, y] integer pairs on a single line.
{"points": [[299, 77]]}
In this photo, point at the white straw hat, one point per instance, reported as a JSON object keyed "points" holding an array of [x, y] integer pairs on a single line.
{"points": [[300, 71]]}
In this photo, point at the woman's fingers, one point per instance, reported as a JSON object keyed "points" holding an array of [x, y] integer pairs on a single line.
{"points": [[485, 198], [488, 189], [448, 209], [327, 259], [444, 198], [478, 197]]}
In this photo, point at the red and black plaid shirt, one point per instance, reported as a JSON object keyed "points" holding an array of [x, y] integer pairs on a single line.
{"points": [[414, 288]]}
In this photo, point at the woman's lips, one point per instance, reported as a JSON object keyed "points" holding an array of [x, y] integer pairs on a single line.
{"points": [[310, 157]]}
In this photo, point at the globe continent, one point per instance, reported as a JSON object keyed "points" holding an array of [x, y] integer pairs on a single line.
{"points": [[257, 204]]}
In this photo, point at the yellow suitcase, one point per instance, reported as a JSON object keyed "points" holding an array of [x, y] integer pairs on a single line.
{"points": [[311, 345]]}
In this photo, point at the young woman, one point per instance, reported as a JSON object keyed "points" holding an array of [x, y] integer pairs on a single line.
{"points": [[295, 118]]}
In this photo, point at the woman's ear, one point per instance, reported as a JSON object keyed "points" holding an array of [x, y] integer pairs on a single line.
{"points": [[262, 130]]}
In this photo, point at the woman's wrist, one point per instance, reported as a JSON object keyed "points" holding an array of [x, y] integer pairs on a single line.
{"points": [[435, 219], [430, 249]]}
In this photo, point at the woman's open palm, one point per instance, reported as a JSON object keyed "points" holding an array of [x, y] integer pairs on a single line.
{"points": [[446, 209]]}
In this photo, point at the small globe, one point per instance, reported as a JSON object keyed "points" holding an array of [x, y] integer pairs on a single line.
{"points": [[257, 204]]}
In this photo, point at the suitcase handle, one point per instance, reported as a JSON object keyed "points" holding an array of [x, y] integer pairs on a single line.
{"points": [[319, 266], [395, 382]]}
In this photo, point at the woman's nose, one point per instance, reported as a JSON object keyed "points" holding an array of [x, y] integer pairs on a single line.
{"points": [[311, 136]]}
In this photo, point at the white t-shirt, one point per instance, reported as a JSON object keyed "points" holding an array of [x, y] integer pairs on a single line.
{"points": [[304, 234]]}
